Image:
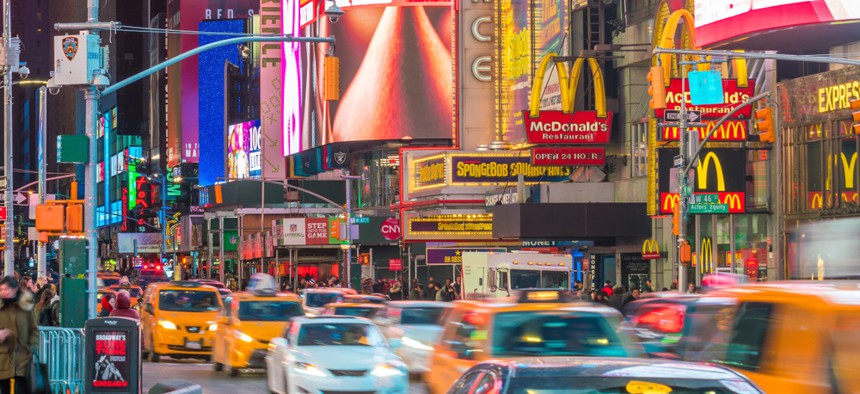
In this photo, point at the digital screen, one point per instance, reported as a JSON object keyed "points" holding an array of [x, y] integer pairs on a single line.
{"points": [[243, 150], [395, 76], [112, 365]]}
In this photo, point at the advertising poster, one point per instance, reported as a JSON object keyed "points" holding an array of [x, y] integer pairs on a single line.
{"points": [[395, 75], [294, 231], [243, 150], [515, 67], [549, 36], [112, 366], [272, 95], [316, 231]]}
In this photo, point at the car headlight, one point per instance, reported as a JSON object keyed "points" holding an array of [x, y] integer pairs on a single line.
{"points": [[244, 337], [213, 326], [383, 370], [167, 324], [406, 341], [309, 369]]}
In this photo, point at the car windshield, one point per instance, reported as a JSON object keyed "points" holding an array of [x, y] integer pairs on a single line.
{"points": [[133, 292], [317, 300], [422, 316], [535, 279], [355, 311], [555, 333], [269, 310], [188, 300], [110, 281], [607, 384], [337, 334]]}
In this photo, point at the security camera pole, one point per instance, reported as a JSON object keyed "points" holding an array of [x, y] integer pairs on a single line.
{"points": [[97, 86]]}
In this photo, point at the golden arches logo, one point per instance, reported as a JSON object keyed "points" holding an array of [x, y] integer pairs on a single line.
{"points": [[650, 249], [850, 197], [707, 259], [669, 201], [731, 130], [848, 167], [702, 172], [817, 201], [733, 200], [569, 84]]}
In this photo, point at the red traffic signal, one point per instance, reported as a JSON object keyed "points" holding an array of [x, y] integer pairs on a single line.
{"points": [[656, 88], [764, 124]]}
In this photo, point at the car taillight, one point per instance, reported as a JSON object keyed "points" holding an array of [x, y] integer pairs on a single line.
{"points": [[668, 319]]}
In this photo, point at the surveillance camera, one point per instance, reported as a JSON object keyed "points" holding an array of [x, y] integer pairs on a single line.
{"points": [[23, 72], [334, 13]]}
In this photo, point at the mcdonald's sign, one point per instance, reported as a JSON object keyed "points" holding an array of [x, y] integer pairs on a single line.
{"points": [[849, 197], [816, 200], [707, 256], [668, 202], [729, 131], [650, 250], [733, 95], [567, 126], [718, 170], [735, 200]]}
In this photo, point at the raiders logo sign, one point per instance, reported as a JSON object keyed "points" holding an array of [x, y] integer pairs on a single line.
{"points": [[340, 157], [70, 47]]}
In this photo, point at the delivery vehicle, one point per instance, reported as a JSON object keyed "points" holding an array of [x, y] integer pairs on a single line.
{"points": [[179, 319], [787, 337], [493, 274], [600, 375], [532, 323], [246, 325]]}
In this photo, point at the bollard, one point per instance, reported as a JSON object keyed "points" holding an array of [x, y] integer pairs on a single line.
{"points": [[112, 356]]}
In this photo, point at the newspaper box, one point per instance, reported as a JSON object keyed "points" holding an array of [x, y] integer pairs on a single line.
{"points": [[112, 362]]}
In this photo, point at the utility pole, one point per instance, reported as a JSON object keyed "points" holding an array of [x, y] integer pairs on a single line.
{"points": [[9, 239], [348, 214], [43, 148]]}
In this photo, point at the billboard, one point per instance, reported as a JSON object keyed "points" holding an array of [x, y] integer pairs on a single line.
{"points": [[395, 75], [182, 92], [212, 108], [515, 67], [242, 148], [718, 171], [738, 20]]}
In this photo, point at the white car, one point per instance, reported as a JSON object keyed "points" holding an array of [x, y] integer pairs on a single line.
{"points": [[413, 327], [333, 354]]}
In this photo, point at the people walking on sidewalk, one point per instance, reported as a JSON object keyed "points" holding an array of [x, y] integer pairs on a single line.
{"points": [[19, 336]]}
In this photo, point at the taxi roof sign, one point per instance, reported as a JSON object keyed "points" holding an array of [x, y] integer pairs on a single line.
{"points": [[545, 295]]}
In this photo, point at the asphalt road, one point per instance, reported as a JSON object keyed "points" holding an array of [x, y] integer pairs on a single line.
{"points": [[215, 382]]}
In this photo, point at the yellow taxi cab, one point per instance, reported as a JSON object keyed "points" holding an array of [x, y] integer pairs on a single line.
{"points": [[108, 278], [101, 293], [787, 337], [179, 319], [533, 323], [134, 292], [360, 309], [247, 323]]}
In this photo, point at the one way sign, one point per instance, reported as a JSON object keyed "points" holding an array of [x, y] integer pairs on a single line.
{"points": [[673, 115], [18, 198]]}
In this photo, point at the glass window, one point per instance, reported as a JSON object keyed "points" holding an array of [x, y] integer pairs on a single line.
{"points": [[188, 300], [747, 338], [133, 292], [422, 316], [525, 279], [639, 149], [317, 300], [574, 384], [355, 311], [269, 310], [488, 383], [338, 334], [467, 382], [555, 280], [554, 333]]}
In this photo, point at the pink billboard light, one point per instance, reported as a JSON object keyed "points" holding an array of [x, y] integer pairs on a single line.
{"points": [[292, 89]]}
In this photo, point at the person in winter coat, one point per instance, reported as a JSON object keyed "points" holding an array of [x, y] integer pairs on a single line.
{"points": [[19, 337], [395, 292], [107, 305], [123, 307]]}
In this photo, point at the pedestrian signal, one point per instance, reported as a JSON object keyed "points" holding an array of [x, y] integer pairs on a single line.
{"points": [[656, 88], [764, 124]]}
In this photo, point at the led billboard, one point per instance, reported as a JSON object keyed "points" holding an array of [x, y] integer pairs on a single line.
{"points": [[242, 149], [395, 75], [745, 23]]}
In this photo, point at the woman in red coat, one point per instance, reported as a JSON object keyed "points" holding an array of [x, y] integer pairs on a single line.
{"points": [[122, 308]]}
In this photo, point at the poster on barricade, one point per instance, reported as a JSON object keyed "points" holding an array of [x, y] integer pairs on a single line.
{"points": [[112, 363]]}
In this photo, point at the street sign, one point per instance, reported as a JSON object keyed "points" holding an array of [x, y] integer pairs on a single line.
{"points": [[673, 115], [706, 198], [679, 161], [708, 208]]}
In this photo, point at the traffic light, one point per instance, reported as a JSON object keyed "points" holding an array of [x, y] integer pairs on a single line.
{"points": [[764, 124], [75, 218], [676, 220], [686, 253], [656, 88], [855, 114]]}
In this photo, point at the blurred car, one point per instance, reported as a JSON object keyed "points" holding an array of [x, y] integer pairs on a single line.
{"points": [[151, 275], [365, 310], [537, 322], [225, 293], [108, 278], [209, 282], [365, 298], [134, 292], [315, 300], [247, 324], [414, 327], [787, 337], [179, 319], [334, 354], [658, 319], [600, 375]]}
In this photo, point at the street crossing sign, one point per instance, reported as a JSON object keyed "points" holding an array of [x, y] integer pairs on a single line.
{"points": [[706, 198]]}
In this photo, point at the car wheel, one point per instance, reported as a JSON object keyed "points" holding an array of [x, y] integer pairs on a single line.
{"points": [[234, 372], [154, 357], [217, 367]]}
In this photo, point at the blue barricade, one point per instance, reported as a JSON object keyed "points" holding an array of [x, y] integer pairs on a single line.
{"points": [[62, 349]]}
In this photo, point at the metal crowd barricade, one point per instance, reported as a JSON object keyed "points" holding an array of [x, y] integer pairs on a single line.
{"points": [[62, 349]]}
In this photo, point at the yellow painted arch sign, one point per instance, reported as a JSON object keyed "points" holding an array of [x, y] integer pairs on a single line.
{"points": [[650, 250], [567, 126]]}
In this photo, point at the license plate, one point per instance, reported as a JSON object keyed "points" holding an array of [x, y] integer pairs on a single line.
{"points": [[193, 345]]}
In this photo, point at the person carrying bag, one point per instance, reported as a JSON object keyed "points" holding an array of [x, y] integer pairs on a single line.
{"points": [[19, 339]]}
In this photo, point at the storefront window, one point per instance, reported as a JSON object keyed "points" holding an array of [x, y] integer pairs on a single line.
{"points": [[381, 170]]}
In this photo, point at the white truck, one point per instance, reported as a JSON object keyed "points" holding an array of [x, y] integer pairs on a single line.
{"points": [[494, 274]]}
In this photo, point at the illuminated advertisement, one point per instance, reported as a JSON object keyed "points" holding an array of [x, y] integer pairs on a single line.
{"points": [[113, 364], [719, 171], [395, 75], [549, 35], [243, 150], [733, 96], [732, 20], [182, 79], [515, 67], [449, 226], [211, 101]]}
